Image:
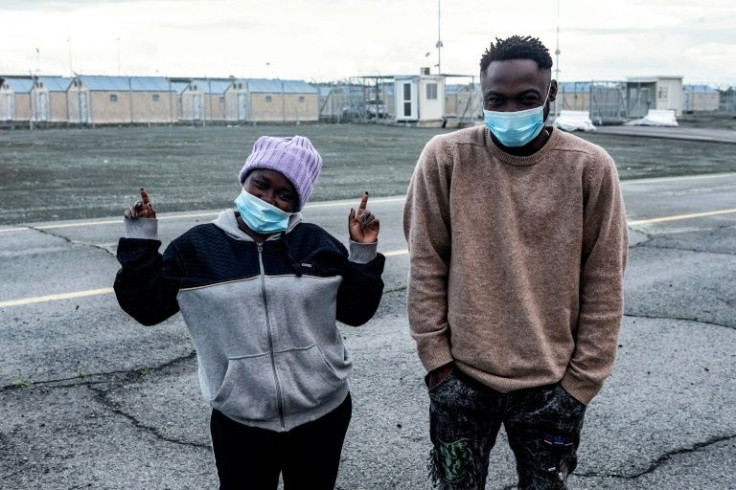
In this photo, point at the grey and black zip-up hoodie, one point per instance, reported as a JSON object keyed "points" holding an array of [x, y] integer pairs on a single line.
{"points": [[262, 317]]}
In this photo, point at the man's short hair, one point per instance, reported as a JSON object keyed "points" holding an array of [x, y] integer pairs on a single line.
{"points": [[516, 48]]}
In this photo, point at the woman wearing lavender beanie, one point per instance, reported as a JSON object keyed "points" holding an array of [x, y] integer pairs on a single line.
{"points": [[260, 292]]}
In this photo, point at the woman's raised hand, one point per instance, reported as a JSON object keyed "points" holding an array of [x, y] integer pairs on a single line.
{"points": [[363, 226], [142, 208]]}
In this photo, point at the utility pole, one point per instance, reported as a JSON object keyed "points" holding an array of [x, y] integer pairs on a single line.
{"points": [[557, 56], [69, 45], [439, 44]]}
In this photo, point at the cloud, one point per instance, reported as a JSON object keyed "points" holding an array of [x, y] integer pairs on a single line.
{"points": [[335, 39]]}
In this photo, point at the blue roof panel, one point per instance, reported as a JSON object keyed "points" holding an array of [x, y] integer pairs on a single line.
{"points": [[101, 83], [271, 86], [56, 84], [20, 85], [212, 86], [179, 87]]}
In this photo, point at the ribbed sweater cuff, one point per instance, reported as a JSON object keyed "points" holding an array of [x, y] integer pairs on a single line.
{"points": [[362, 253], [583, 390], [146, 228], [436, 355]]}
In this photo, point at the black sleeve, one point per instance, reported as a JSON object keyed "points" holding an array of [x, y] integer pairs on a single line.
{"points": [[360, 291], [147, 284]]}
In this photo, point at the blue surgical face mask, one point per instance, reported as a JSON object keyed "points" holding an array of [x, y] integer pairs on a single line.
{"points": [[515, 129], [261, 217]]}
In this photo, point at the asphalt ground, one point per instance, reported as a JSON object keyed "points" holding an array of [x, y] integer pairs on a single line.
{"points": [[672, 133], [91, 399]]}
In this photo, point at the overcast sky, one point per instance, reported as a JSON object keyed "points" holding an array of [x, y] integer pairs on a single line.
{"points": [[325, 40]]}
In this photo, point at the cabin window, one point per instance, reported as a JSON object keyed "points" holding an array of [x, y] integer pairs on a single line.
{"points": [[156, 97], [269, 99], [431, 91], [301, 99], [113, 97]]}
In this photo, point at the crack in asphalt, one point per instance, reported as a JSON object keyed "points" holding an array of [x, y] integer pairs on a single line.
{"points": [[694, 319], [662, 460], [116, 379], [103, 399], [73, 242], [655, 465], [126, 376]]}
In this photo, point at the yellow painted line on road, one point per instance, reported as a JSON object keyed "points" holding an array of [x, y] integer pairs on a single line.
{"points": [[101, 291], [331, 204], [55, 297], [391, 253], [657, 180], [19, 228], [679, 217]]}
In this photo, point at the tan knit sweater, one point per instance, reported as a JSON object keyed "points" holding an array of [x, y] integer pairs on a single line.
{"points": [[517, 263]]}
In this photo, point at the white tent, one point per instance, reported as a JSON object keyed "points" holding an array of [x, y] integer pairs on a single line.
{"points": [[574, 120]]}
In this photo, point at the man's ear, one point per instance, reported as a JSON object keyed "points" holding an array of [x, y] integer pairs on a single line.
{"points": [[553, 91]]}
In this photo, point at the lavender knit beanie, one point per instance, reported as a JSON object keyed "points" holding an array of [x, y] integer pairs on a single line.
{"points": [[294, 157]]}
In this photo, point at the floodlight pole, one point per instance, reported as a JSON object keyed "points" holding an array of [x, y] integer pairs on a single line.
{"points": [[557, 56], [439, 37], [69, 45]]}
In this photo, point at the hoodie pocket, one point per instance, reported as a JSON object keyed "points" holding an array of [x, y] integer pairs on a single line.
{"points": [[248, 390], [306, 379]]}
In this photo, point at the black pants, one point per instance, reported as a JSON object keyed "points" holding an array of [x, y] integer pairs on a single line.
{"points": [[308, 455], [543, 426]]}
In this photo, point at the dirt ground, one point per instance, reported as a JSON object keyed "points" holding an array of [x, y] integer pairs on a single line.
{"points": [[84, 173]]}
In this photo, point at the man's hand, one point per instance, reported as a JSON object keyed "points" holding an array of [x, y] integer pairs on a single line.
{"points": [[363, 225], [141, 208], [437, 376]]}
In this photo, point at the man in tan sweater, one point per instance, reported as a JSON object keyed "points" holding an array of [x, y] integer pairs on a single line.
{"points": [[517, 238]]}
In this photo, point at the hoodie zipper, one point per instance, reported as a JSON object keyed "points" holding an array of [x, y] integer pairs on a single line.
{"points": [[279, 400]]}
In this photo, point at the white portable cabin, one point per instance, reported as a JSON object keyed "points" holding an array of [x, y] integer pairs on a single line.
{"points": [[40, 110], [7, 102], [420, 99], [16, 104], [56, 89], [78, 103], [128, 99], [275, 100], [191, 102], [658, 93], [225, 100]]}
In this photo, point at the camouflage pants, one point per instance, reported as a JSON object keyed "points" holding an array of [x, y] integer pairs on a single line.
{"points": [[542, 424]]}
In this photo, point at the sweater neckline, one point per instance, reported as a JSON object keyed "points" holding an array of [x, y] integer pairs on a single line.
{"points": [[522, 161]]}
